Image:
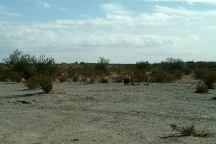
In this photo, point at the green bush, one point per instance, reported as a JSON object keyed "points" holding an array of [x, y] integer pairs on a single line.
{"points": [[46, 82], [201, 88], [27, 66], [32, 83], [37, 71], [23, 64]]}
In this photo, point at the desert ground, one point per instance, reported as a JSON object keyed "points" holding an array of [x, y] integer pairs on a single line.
{"points": [[105, 114]]}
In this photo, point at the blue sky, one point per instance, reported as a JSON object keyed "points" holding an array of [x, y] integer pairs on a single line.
{"points": [[124, 31]]}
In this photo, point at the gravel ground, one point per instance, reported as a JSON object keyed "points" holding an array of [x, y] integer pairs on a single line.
{"points": [[105, 114]]}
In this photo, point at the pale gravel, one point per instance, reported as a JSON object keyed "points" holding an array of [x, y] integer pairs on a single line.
{"points": [[104, 114]]}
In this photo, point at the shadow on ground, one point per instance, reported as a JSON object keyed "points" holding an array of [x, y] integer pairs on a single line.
{"points": [[22, 95]]}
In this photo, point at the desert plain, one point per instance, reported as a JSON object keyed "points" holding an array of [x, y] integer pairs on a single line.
{"points": [[78, 113]]}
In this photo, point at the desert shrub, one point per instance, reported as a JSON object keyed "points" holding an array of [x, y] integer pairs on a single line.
{"points": [[14, 76], [142, 65], [62, 79], [103, 80], [210, 79], [37, 71], [21, 63], [26, 65], [46, 65], [176, 73], [3, 73], [207, 76], [32, 83], [189, 130], [161, 75], [139, 76], [201, 88], [102, 64], [46, 82], [200, 73], [117, 79]]}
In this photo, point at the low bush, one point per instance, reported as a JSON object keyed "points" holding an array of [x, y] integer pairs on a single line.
{"points": [[14, 76], [103, 80], [63, 78], [189, 130], [46, 82], [161, 75], [210, 79], [3, 73], [139, 76], [201, 88], [32, 83], [207, 76]]}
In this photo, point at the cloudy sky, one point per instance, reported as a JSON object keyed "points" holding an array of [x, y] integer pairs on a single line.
{"points": [[124, 31]]}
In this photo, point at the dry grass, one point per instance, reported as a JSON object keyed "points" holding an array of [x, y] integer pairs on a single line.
{"points": [[189, 130]]}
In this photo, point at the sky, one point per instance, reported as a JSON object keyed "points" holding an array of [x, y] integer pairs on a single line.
{"points": [[123, 31]]}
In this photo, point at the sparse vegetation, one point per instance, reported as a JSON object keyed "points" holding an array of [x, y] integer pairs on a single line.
{"points": [[189, 130], [142, 65], [160, 75], [208, 76], [201, 88], [20, 66], [41, 71], [32, 83]]}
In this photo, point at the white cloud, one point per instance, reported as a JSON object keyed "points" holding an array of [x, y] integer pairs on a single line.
{"points": [[65, 9], [185, 12], [187, 1], [44, 4], [121, 32], [4, 11]]}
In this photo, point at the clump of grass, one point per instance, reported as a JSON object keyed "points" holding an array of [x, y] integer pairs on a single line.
{"points": [[201, 88], [189, 130]]}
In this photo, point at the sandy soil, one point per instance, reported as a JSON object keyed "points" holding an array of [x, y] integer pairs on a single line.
{"points": [[104, 114]]}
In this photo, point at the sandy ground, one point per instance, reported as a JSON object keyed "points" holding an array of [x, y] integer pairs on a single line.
{"points": [[104, 114]]}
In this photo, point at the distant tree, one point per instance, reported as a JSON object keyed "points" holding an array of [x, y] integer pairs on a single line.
{"points": [[45, 65], [142, 65], [102, 64], [27, 65], [21, 63], [172, 63]]}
